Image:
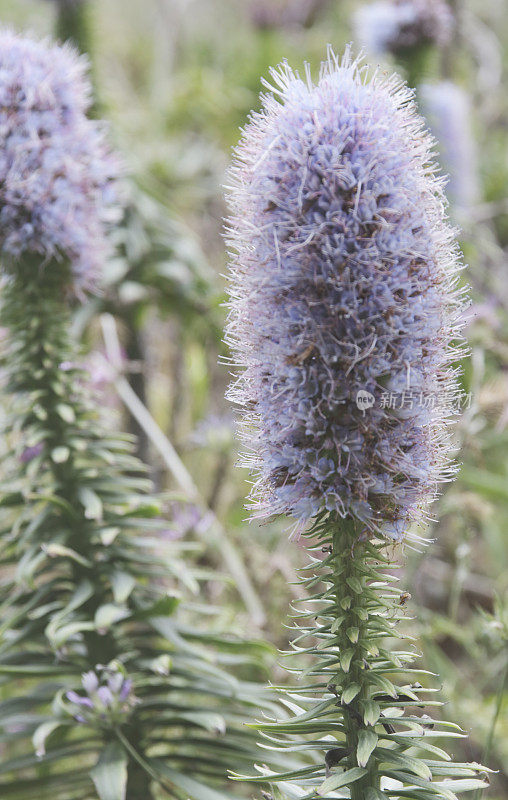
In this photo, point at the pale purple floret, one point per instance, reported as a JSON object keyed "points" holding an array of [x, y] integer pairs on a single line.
{"points": [[108, 696], [395, 26], [56, 172], [343, 282], [447, 109]]}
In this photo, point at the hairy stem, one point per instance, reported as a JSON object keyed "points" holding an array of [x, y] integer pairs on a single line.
{"points": [[349, 565], [359, 710]]}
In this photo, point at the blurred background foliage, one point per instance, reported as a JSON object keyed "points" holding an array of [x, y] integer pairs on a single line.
{"points": [[176, 79]]}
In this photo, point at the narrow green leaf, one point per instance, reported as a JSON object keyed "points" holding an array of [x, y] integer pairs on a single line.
{"points": [[12, 499], [352, 634], [42, 733], [414, 765], [60, 455], [164, 607], [66, 413], [108, 614], [350, 693], [371, 712], [384, 684], [367, 741], [345, 660], [108, 535], [110, 773], [342, 779], [374, 794], [463, 785], [355, 584], [91, 503], [161, 665], [55, 550], [337, 623], [122, 583], [61, 635], [190, 786]]}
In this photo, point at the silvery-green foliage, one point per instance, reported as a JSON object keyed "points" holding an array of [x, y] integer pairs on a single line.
{"points": [[97, 645], [109, 688]]}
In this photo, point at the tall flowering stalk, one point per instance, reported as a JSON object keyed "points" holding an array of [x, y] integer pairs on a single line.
{"points": [[344, 309], [447, 108], [410, 30], [106, 690]]}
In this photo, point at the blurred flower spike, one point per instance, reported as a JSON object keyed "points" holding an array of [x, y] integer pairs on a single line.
{"points": [[57, 175], [398, 26]]}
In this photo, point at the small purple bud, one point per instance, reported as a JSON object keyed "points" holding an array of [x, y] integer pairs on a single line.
{"points": [[74, 697], [126, 689], [115, 682], [90, 682], [29, 453], [105, 696]]}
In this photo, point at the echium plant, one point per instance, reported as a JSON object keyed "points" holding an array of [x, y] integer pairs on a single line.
{"points": [[107, 688], [345, 306]]}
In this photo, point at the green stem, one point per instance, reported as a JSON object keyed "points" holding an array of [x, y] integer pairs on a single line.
{"points": [[359, 721], [73, 23], [349, 565]]}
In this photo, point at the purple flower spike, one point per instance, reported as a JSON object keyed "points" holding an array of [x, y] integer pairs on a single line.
{"points": [[449, 114], [344, 300], [56, 171], [398, 26]]}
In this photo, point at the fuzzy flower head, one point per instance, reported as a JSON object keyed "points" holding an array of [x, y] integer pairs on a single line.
{"points": [[447, 109], [396, 26], [56, 173], [343, 300]]}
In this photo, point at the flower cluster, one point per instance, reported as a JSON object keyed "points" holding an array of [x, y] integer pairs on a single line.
{"points": [[56, 173], [343, 281], [395, 26], [107, 697], [448, 112]]}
